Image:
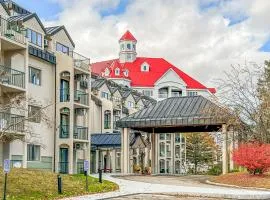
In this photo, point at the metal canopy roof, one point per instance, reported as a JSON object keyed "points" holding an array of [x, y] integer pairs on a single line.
{"points": [[176, 114]]}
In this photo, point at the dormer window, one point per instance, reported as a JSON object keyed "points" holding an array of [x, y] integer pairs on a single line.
{"points": [[117, 71], [134, 47], [145, 67], [107, 72], [126, 73]]}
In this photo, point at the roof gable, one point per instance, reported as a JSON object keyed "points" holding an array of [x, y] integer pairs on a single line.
{"points": [[55, 29], [170, 76]]}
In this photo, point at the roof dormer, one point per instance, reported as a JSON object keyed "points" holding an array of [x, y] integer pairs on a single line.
{"points": [[117, 72], [107, 72], [145, 67], [126, 72]]}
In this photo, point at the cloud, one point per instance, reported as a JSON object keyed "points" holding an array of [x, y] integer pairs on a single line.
{"points": [[203, 43]]}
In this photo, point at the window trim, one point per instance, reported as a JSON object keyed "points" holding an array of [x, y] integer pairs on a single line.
{"points": [[36, 119], [30, 78], [32, 146], [107, 119], [58, 44], [34, 35]]}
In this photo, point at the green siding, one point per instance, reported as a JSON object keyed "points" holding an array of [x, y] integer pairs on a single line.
{"points": [[45, 163], [16, 157]]}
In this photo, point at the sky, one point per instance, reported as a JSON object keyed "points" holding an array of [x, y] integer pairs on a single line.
{"points": [[201, 37]]}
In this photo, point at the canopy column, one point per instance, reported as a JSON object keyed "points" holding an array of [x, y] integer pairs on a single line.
{"points": [[125, 150], [224, 149], [153, 152]]}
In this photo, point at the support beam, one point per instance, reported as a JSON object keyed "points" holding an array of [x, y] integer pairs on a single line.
{"points": [[125, 150], [224, 149]]}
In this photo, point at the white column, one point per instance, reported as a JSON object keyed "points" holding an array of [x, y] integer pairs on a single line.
{"points": [[154, 153], [97, 160], [113, 156], [232, 146], [146, 157], [125, 150], [224, 150]]}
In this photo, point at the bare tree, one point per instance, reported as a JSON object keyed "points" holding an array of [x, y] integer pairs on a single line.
{"points": [[245, 101], [16, 126]]}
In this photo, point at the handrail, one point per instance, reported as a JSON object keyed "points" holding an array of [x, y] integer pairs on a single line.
{"points": [[12, 77], [11, 122], [82, 97], [80, 132]]}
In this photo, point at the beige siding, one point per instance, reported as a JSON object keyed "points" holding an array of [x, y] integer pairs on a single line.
{"points": [[62, 38]]}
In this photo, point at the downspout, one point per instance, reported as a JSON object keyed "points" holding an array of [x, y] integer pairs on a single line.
{"points": [[54, 148]]}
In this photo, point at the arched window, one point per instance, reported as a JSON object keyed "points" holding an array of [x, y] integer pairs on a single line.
{"points": [[162, 149], [64, 123], [117, 71], [107, 119], [162, 166], [126, 73], [107, 72]]}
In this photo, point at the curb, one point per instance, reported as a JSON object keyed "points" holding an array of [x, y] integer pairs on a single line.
{"points": [[235, 186]]}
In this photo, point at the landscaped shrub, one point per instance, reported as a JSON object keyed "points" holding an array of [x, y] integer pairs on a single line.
{"points": [[253, 156], [215, 170]]}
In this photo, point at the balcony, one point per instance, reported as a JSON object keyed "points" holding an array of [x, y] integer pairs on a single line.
{"points": [[80, 133], [81, 97], [11, 31], [11, 123], [12, 77], [80, 62], [64, 131], [42, 54]]}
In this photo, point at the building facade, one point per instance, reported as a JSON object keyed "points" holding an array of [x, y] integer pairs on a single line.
{"points": [[158, 79], [45, 94]]}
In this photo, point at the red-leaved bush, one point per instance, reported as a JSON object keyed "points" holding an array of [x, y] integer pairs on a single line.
{"points": [[253, 156]]}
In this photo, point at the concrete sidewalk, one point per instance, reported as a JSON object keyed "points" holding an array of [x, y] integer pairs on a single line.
{"points": [[128, 187]]}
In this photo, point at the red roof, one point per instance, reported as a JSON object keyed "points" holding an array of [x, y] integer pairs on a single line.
{"points": [[158, 67], [113, 66], [128, 36]]}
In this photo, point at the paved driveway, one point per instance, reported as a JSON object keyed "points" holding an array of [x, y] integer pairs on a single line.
{"points": [[132, 187]]}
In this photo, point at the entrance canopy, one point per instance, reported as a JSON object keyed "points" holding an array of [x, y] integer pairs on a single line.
{"points": [[176, 114]]}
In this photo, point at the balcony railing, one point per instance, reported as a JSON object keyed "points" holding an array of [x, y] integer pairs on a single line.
{"points": [[80, 61], [81, 97], [63, 167], [64, 131], [11, 122], [64, 95], [42, 54], [163, 95], [11, 31], [12, 77], [80, 133]]}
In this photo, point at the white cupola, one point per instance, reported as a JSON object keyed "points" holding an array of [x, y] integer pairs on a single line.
{"points": [[127, 44]]}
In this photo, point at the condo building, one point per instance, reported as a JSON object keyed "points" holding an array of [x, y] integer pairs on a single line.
{"points": [[40, 70]]}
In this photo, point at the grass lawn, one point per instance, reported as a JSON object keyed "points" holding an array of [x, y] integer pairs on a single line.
{"points": [[244, 179], [27, 184]]}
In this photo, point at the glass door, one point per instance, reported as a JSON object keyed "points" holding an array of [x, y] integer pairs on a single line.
{"points": [[64, 91], [63, 164], [64, 125]]}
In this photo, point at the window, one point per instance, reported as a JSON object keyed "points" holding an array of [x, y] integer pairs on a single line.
{"points": [[162, 149], [126, 73], [118, 161], [105, 95], [192, 93], [34, 37], [148, 93], [33, 152], [128, 56], [34, 76], [117, 71], [107, 119], [107, 72], [144, 67], [134, 47], [122, 46], [128, 46], [34, 114], [62, 48], [130, 104]]}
